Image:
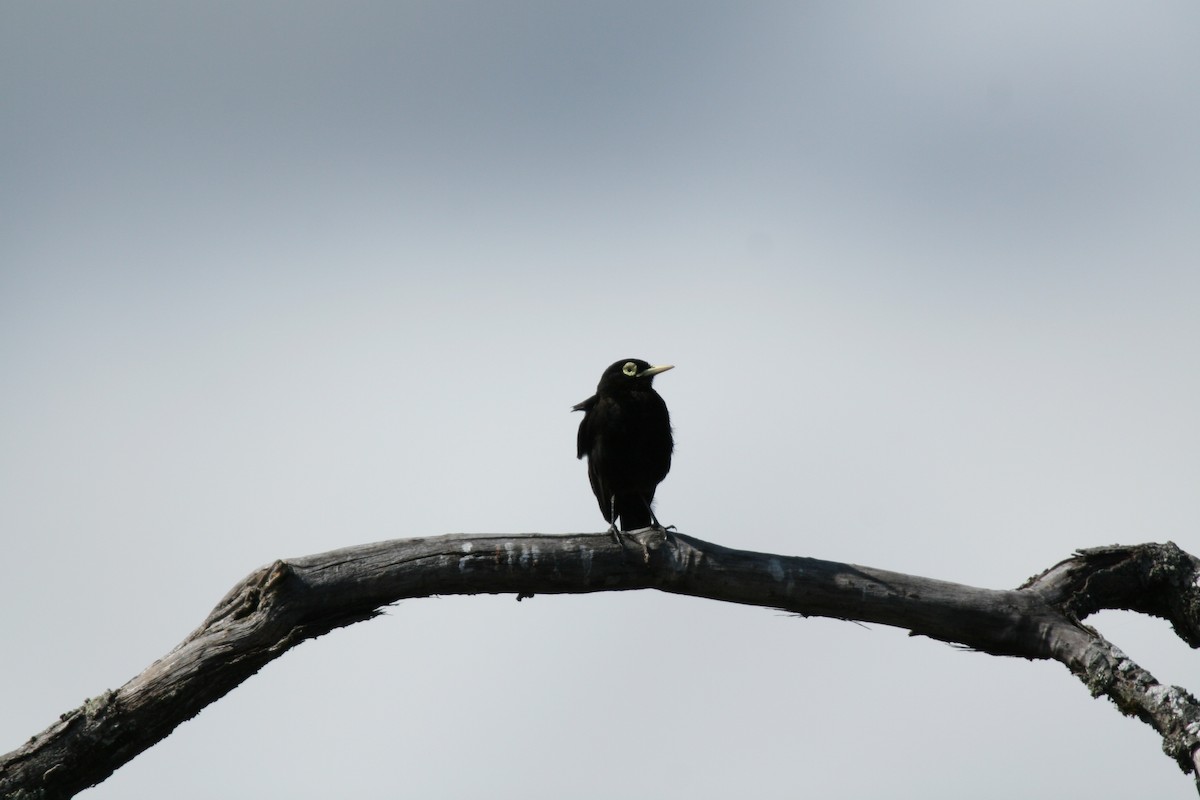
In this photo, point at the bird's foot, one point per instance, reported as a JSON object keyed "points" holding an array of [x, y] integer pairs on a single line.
{"points": [[658, 526], [616, 534]]}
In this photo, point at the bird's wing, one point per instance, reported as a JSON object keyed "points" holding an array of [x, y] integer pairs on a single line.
{"points": [[600, 489], [591, 443]]}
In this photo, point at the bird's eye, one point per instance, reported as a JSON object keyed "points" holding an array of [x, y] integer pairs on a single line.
{"points": [[629, 369]]}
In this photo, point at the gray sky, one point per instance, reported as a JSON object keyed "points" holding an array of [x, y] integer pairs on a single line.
{"points": [[277, 278]]}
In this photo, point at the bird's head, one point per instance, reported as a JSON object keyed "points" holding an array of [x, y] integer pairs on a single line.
{"points": [[629, 373]]}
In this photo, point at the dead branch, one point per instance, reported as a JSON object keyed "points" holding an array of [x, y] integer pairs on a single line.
{"points": [[284, 603]]}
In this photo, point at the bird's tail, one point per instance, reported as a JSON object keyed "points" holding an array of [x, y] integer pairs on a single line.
{"points": [[634, 512]]}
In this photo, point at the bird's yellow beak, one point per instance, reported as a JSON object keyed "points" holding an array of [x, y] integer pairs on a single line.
{"points": [[655, 370]]}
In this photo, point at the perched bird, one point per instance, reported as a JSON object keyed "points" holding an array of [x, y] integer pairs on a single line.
{"points": [[626, 435]]}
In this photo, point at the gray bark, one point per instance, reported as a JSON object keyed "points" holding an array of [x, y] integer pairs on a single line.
{"points": [[286, 602]]}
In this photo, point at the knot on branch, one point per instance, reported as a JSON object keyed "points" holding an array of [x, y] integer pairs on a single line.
{"points": [[251, 594]]}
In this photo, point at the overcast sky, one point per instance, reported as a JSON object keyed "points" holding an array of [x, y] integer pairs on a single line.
{"points": [[277, 278]]}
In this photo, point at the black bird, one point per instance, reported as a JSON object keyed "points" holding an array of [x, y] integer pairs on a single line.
{"points": [[626, 435]]}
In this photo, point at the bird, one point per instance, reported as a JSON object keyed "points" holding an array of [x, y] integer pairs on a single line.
{"points": [[626, 435]]}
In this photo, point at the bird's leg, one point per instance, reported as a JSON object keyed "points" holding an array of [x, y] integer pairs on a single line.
{"points": [[612, 515], [654, 523]]}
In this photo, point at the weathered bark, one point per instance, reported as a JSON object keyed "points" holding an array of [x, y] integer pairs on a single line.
{"points": [[284, 603]]}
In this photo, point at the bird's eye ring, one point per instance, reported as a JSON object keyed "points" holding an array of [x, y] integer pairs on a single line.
{"points": [[629, 369]]}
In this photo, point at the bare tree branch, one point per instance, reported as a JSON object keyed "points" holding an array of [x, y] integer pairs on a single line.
{"points": [[284, 603]]}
